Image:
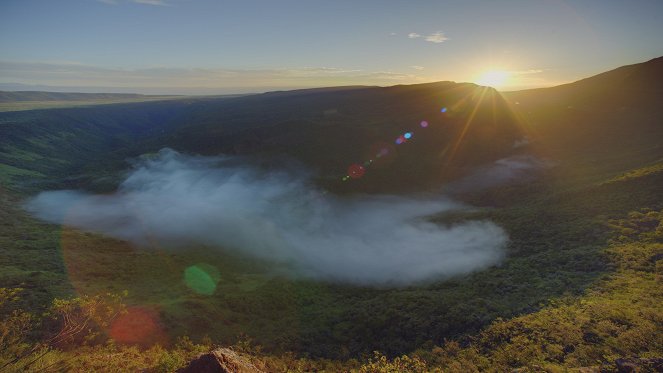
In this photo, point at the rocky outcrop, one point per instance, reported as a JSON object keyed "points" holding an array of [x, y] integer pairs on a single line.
{"points": [[221, 360], [637, 365]]}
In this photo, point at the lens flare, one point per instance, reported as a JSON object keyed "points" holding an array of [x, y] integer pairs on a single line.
{"points": [[138, 326], [378, 152], [356, 171], [202, 278], [443, 110]]}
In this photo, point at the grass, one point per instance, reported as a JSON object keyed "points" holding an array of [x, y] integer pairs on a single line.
{"points": [[617, 317], [508, 316], [9, 174], [556, 251], [639, 172]]}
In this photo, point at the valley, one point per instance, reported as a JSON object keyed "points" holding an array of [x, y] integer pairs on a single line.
{"points": [[583, 222]]}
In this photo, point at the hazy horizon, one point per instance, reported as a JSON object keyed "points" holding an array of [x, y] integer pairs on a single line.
{"points": [[136, 46]]}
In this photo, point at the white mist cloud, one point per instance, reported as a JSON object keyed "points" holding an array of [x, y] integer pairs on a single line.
{"points": [[517, 168], [175, 201]]}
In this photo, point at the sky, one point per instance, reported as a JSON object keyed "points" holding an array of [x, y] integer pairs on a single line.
{"points": [[221, 47]]}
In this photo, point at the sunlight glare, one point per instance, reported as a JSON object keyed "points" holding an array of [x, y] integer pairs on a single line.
{"points": [[493, 78]]}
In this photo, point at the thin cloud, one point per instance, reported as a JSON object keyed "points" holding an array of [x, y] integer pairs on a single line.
{"points": [[309, 71], [417, 67], [389, 75], [437, 37], [413, 35], [145, 2], [152, 2], [525, 72]]}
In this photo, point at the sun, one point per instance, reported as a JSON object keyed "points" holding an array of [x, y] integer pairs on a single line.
{"points": [[493, 78]]}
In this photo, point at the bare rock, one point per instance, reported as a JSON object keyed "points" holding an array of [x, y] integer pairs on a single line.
{"points": [[221, 360]]}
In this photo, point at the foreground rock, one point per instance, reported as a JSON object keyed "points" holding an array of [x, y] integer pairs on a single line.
{"points": [[636, 365], [221, 360]]}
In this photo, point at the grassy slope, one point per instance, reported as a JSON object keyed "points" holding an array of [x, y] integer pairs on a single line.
{"points": [[76, 147], [558, 232], [329, 130], [618, 316], [31, 100], [313, 318], [556, 243]]}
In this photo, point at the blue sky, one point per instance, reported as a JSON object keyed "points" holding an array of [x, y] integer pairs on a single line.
{"points": [[218, 46]]}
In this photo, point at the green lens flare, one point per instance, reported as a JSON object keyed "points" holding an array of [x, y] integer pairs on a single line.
{"points": [[201, 278]]}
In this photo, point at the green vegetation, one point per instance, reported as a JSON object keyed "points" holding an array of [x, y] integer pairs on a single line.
{"points": [[285, 315], [640, 172], [619, 316], [558, 237], [580, 285], [8, 174]]}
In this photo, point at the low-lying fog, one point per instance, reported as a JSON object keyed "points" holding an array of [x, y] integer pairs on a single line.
{"points": [[175, 200]]}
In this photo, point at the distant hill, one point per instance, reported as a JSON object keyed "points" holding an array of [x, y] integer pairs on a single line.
{"points": [[31, 100], [331, 129], [616, 112], [7, 96], [327, 129], [638, 84]]}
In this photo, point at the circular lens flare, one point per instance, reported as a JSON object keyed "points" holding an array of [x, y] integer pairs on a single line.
{"points": [[201, 278], [356, 171], [138, 326]]}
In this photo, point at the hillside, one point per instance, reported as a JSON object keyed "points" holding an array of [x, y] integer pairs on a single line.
{"points": [[578, 191], [12, 96], [332, 129], [617, 111], [32, 100], [327, 130]]}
